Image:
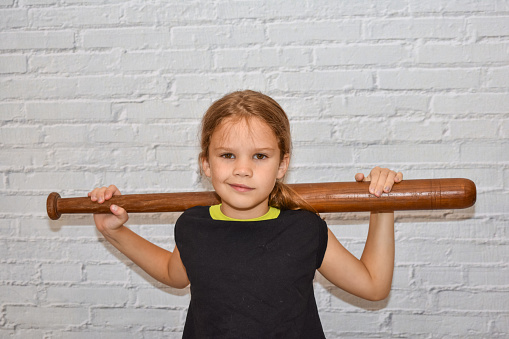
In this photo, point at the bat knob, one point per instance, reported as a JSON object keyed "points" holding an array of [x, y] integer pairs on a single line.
{"points": [[51, 206]]}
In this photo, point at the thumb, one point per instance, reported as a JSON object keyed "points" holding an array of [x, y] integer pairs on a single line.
{"points": [[119, 212]]}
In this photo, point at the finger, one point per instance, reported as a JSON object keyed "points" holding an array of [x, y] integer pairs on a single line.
{"points": [[95, 194], [380, 182], [389, 182], [111, 191], [374, 176]]}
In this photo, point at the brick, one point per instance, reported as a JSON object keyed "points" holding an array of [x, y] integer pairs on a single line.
{"points": [[67, 228], [18, 272], [68, 134], [247, 58], [415, 28], [11, 111], [149, 110], [112, 133], [497, 78], [442, 324], [20, 135], [438, 6], [183, 134], [45, 317], [108, 86], [135, 316], [429, 79], [413, 299], [177, 156], [60, 272], [457, 54], [418, 130], [77, 63], [489, 26], [307, 32], [218, 83], [301, 107], [106, 273], [18, 294], [49, 180], [80, 295], [366, 131], [473, 252], [471, 103], [69, 110], [129, 38], [322, 131], [474, 300], [19, 159], [37, 2], [386, 105], [166, 61], [166, 297], [474, 129], [13, 64], [148, 13], [324, 81], [379, 54], [36, 40], [350, 322], [321, 155], [428, 276], [36, 88], [420, 153], [100, 333], [487, 276], [204, 35], [75, 16], [13, 18], [154, 180], [484, 152]]}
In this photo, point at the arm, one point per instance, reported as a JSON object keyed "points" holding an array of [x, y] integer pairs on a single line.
{"points": [[162, 265], [369, 277]]}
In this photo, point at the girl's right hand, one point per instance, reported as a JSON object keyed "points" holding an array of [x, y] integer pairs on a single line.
{"points": [[108, 222]]}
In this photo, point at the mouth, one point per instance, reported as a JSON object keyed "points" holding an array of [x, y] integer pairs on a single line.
{"points": [[241, 188]]}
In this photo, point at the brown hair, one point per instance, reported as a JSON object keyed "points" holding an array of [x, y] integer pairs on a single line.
{"points": [[248, 104]]}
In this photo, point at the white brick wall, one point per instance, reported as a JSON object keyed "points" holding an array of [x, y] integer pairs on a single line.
{"points": [[95, 92]]}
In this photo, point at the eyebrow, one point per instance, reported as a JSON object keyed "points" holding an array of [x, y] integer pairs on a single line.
{"points": [[256, 150]]}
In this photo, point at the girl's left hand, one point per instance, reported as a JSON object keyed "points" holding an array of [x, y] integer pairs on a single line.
{"points": [[382, 180]]}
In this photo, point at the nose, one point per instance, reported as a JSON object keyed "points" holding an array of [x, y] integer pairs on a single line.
{"points": [[243, 168]]}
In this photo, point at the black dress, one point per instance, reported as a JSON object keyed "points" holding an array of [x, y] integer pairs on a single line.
{"points": [[252, 279]]}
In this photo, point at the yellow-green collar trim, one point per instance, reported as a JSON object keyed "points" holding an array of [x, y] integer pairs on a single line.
{"points": [[216, 214]]}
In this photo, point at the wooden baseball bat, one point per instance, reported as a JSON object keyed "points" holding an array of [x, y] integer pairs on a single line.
{"points": [[422, 194]]}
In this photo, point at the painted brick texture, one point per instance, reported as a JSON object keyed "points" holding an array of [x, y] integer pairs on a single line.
{"points": [[94, 92]]}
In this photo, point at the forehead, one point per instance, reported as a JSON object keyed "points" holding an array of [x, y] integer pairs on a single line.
{"points": [[244, 130]]}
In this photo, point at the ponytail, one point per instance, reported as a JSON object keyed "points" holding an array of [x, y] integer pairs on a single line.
{"points": [[285, 198]]}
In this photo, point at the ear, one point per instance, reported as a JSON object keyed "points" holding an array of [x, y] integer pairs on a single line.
{"points": [[205, 167], [283, 166]]}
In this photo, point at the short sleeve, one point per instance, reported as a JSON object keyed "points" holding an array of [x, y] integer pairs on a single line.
{"points": [[323, 237]]}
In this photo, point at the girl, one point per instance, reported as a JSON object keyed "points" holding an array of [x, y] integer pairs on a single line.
{"points": [[251, 260]]}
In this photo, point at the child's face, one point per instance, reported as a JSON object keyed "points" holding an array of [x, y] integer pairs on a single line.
{"points": [[244, 163]]}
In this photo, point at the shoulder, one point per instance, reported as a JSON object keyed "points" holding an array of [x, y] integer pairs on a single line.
{"points": [[302, 215], [196, 211], [193, 215]]}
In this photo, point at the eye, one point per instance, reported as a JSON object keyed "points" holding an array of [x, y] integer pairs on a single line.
{"points": [[260, 156], [228, 156]]}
